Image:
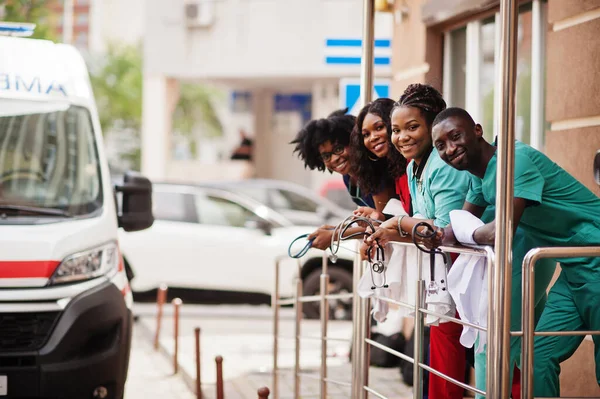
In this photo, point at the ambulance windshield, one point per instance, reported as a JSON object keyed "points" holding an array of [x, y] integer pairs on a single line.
{"points": [[48, 160]]}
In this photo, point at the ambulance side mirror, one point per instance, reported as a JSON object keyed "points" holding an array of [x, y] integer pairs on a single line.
{"points": [[597, 167], [136, 202]]}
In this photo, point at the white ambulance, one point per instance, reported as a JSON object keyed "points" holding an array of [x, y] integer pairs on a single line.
{"points": [[65, 302]]}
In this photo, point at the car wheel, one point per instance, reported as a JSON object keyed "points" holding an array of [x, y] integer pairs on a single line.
{"points": [[340, 282]]}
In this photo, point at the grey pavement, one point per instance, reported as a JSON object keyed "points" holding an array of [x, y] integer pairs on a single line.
{"points": [[151, 374], [242, 335]]}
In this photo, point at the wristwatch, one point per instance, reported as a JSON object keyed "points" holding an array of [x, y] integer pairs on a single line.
{"points": [[402, 233]]}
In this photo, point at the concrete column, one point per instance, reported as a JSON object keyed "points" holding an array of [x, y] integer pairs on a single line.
{"points": [[159, 99], [262, 108]]}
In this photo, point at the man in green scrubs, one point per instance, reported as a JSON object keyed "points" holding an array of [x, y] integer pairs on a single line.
{"points": [[553, 209]]}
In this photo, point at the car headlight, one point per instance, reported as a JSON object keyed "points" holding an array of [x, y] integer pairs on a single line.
{"points": [[86, 265]]}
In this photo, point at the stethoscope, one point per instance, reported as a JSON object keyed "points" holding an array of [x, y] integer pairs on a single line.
{"points": [[377, 265], [427, 233]]}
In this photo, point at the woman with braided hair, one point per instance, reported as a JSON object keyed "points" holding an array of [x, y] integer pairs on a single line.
{"points": [[435, 190]]}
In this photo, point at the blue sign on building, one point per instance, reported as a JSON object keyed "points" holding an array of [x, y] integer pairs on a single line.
{"points": [[348, 52], [350, 96]]}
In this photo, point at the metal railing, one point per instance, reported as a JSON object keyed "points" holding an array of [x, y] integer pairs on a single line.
{"points": [[297, 302], [527, 315], [361, 328], [361, 387], [361, 342]]}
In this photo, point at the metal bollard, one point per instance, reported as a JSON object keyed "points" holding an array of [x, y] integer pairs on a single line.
{"points": [[161, 297], [219, 361], [198, 384], [263, 393], [176, 305]]}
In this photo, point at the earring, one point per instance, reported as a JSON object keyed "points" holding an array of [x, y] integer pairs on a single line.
{"points": [[374, 159]]}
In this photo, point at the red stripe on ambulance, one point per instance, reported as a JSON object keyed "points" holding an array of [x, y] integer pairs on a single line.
{"points": [[27, 268]]}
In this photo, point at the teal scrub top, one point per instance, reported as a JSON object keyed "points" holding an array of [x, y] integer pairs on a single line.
{"points": [[440, 190], [560, 212]]}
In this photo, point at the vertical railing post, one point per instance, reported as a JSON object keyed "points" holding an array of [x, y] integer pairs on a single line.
{"points": [[324, 316], [297, 332], [198, 363], [360, 329], [419, 330], [275, 307], [498, 367], [528, 324], [368, 42], [361, 318]]}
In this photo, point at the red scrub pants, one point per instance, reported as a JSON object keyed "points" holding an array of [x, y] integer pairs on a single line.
{"points": [[447, 356]]}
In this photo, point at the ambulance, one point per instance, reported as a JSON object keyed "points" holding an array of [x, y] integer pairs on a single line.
{"points": [[65, 302]]}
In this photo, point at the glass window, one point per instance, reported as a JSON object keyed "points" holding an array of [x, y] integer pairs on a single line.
{"points": [[48, 157], [487, 76], [289, 200], [480, 73], [221, 212], [171, 206], [457, 65], [523, 96], [260, 194]]}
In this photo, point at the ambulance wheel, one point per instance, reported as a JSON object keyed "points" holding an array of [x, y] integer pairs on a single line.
{"points": [[340, 282]]}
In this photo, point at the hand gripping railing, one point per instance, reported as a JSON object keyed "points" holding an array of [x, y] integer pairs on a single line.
{"points": [[297, 301], [527, 317], [360, 376]]}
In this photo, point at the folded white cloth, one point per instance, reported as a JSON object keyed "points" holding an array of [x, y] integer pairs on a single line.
{"points": [[468, 282], [467, 223], [400, 277]]}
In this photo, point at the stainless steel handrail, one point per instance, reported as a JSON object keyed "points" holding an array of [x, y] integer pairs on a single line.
{"points": [[527, 314], [420, 311]]}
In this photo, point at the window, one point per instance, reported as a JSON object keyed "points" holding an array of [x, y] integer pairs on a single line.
{"points": [[173, 207], [289, 200], [470, 70], [48, 157], [221, 212]]}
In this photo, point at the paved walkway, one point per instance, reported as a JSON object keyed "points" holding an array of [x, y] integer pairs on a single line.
{"points": [[243, 336], [151, 374]]}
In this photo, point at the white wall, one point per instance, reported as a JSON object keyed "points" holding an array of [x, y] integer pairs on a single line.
{"points": [[254, 39], [121, 21]]}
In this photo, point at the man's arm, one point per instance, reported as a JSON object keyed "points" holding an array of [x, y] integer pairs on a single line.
{"points": [[486, 234]]}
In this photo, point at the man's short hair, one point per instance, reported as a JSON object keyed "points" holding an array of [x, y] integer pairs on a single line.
{"points": [[453, 112]]}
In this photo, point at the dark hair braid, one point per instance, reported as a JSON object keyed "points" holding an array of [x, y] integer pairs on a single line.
{"points": [[424, 97]]}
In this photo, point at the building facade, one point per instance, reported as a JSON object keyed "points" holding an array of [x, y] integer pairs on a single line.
{"points": [[281, 63], [451, 44]]}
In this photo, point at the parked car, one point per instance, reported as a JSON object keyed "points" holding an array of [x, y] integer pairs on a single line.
{"points": [[297, 203], [213, 239], [335, 191]]}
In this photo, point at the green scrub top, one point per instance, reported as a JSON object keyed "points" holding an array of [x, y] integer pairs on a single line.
{"points": [[440, 190], [560, 212]]}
